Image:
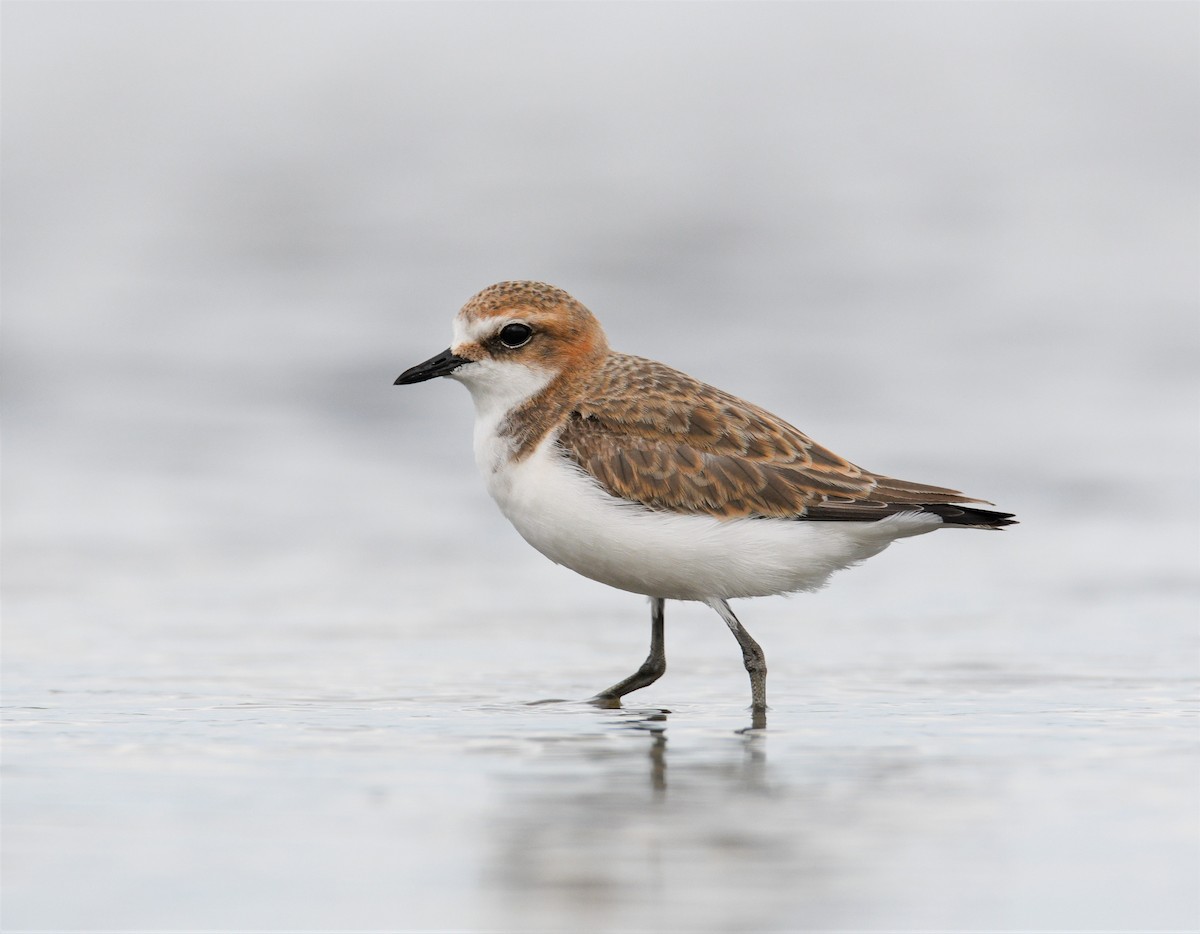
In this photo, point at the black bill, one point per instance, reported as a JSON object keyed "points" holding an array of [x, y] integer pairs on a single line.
{"points": [[443, 363]]}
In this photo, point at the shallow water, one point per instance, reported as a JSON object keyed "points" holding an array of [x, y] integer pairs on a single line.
{"points": [[272, 659], [933, 757], [950, 793]]}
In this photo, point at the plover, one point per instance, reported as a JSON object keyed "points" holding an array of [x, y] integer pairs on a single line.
{"points": [[636, 475]]}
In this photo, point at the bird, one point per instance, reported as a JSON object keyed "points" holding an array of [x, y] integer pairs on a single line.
{"points": [[636, 475]]}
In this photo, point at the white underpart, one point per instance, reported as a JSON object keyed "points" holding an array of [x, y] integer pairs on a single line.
{"points": [[568, 517]]}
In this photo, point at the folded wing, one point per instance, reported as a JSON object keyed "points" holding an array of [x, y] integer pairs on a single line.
{"points": [[652, 435]]}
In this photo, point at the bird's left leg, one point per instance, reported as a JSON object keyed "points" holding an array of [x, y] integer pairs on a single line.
{"points": [[652, 668]]}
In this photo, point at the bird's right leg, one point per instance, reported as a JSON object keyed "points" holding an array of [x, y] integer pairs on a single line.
{"points": [[752, 656]]}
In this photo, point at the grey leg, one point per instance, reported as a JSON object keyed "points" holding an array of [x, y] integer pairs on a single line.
{"points": [[752, 655], [652, 668]]}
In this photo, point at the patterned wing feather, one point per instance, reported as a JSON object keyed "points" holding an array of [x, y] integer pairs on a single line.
{"points": [[653, 435]]}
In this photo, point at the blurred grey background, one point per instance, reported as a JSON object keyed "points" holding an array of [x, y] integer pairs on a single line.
{"points": [[955, 242]]}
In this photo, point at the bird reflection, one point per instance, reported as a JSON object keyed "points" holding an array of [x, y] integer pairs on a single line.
{"points": [[758, 716], [606, 825], [654, 723]]}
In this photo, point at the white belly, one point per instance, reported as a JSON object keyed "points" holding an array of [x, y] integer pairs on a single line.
{"points": [[566, 516]]}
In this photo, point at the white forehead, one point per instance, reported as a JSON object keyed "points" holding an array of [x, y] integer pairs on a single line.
{"points": [[470, 329]]}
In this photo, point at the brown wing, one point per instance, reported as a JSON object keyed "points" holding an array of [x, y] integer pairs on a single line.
{"points": [[653, 435]]}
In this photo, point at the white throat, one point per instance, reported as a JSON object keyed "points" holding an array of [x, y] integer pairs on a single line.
{"points": [[496, 389]]}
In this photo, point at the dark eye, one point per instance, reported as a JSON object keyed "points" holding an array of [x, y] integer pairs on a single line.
{"points": [[515, 335]]}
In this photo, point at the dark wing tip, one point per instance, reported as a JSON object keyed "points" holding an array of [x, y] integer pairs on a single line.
{"points": [[951, 514], [970, 517]]}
